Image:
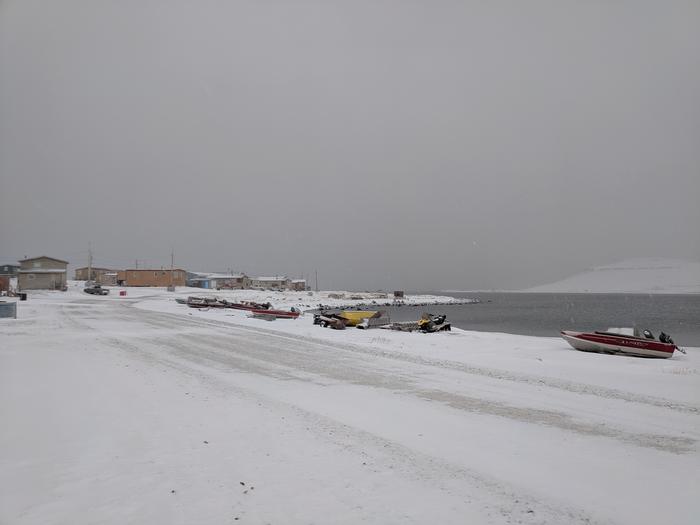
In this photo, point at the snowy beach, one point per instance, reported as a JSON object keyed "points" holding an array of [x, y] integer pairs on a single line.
{"points": [[137, 409]]}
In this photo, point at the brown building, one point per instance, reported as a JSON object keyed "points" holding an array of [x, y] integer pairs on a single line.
{"points": [[277, 282], [42, 273], [4, 284], [96, 274], [161, 277], [109, 278], [229, 282]]}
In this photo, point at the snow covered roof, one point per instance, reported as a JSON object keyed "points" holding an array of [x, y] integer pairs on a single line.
{"points": [[298, 280], [275, 278]]}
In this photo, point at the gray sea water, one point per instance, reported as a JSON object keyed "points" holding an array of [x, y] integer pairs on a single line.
{"points": [[547, 314]]}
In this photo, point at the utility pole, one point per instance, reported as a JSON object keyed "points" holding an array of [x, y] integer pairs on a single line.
{"points": [[89, 275], [172, 264], [136, 264], [316, 273]]}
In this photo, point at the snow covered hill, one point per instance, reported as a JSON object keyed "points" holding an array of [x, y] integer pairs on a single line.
{"points": [[653, 275]]}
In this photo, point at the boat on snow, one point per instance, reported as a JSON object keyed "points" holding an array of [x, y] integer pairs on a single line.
{"points": [[276, 314], [203, 302], [250, 306], [355, 317], [623, 341]]}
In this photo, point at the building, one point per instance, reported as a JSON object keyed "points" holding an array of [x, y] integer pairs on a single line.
{"points": [[278, 282], [9, 269], [139, 277], [7, 272], [297, 284], [42, 273], [108, 278], [96, 274], [229, 282], [219, 281]]}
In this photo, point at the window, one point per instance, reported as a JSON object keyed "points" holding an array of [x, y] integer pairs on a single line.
{"points": [[36, 264]]}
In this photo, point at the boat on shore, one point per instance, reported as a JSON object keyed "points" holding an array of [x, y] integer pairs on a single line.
{"points": [[276, 314], [355, 317], [622, 341], [203, 302], [250, 306]]}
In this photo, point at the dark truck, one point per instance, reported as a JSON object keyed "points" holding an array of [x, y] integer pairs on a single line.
{"points": [[95, 289]]}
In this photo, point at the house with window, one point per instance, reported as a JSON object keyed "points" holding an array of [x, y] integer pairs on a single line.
{"points": [[42, 273], [297, 284], [222, 281], [96, 274], [277, 282], [146, 277], [9, 269], [219, 281]]}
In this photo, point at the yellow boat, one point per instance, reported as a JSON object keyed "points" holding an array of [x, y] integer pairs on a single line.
{"points": [[355, 317]]}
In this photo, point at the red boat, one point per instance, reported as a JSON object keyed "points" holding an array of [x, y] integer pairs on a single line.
{"points": [[277, 314], [624, 341]]}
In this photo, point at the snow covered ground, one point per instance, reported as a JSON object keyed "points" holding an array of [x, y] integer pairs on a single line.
{"points": [[652, 275], [139, 410]]}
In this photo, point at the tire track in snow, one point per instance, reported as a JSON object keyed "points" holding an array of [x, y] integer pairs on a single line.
{"points": [[493, 373], [285, 357], [380, 454]]}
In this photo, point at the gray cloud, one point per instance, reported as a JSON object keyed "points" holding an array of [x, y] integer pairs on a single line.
{"points": [[388, 144]]}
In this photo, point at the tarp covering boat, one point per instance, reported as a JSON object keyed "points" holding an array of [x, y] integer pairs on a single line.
{"points": [[355, 317]]}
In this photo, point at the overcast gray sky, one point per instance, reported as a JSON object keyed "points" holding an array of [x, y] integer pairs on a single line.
{"points": [[388, 144]]}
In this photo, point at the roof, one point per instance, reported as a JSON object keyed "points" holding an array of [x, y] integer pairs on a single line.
{"points": [[43, 270], [275, 278], [152, 270], [225, 276], [43, 257], [298, 280], [95, 269]]}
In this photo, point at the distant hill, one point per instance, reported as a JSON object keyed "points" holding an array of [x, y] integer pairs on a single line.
{"points": [[632, 276]]}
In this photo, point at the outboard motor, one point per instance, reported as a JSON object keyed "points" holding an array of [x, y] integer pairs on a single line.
{"points": [[665, 338]]}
